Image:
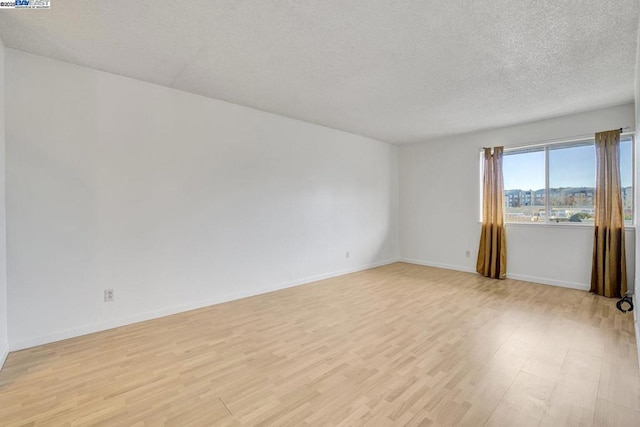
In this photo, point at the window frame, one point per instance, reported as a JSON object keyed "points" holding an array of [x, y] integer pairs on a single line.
{"points": [[546, 146]]}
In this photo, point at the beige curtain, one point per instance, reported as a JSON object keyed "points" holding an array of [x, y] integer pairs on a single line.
{"points": [[608, 272], [492, 253]]}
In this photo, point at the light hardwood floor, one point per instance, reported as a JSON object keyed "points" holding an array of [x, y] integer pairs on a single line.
{"points": [[396, 345]]}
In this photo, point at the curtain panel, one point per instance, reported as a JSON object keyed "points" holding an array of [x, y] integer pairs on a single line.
{"points": [[608, 271], [492, 252]]}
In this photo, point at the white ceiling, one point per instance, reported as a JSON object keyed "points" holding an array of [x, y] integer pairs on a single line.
{"points": [[399, 71]]}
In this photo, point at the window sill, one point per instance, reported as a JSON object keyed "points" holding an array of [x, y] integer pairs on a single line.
{"points": [[557, 225]]}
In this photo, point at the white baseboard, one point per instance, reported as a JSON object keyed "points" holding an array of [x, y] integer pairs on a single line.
{"points": [[141, 317], [533, 279], [438, 265], [4, 352], [552, 282]]}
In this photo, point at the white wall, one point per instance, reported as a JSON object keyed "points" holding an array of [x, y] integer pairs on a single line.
{"points": [[440, 196], [4, 341], [173, 200]]}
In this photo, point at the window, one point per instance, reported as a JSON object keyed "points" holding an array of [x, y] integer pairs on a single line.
{"points": [[556, 182]]}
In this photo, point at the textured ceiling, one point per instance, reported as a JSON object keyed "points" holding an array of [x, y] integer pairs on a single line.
{"points": [[399, 71]]}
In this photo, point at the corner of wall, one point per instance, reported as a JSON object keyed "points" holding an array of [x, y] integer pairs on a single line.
{"points": [[4, 333], [4, 352], [636, 185]]}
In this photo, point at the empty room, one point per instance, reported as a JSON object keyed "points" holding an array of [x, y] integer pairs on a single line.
{"points": [[319, 213]]}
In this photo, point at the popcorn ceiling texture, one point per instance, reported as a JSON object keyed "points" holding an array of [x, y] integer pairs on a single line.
{"points": [[399, 71]]}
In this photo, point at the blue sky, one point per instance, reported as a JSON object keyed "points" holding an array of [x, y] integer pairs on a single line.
{"points": [[568, 167]]}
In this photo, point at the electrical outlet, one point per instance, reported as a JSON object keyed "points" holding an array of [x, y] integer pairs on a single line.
{"points": [[468, 254], [346, 254], [108, 295]]}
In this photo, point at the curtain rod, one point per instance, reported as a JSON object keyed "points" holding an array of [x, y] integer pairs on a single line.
{"points": [[560, 141]]}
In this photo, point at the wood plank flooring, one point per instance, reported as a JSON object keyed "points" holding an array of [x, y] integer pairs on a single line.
{"points": [[396, 345]]}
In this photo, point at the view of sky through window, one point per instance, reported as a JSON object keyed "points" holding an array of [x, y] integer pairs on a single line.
{"points": [[523, 171], [526, 171]]}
